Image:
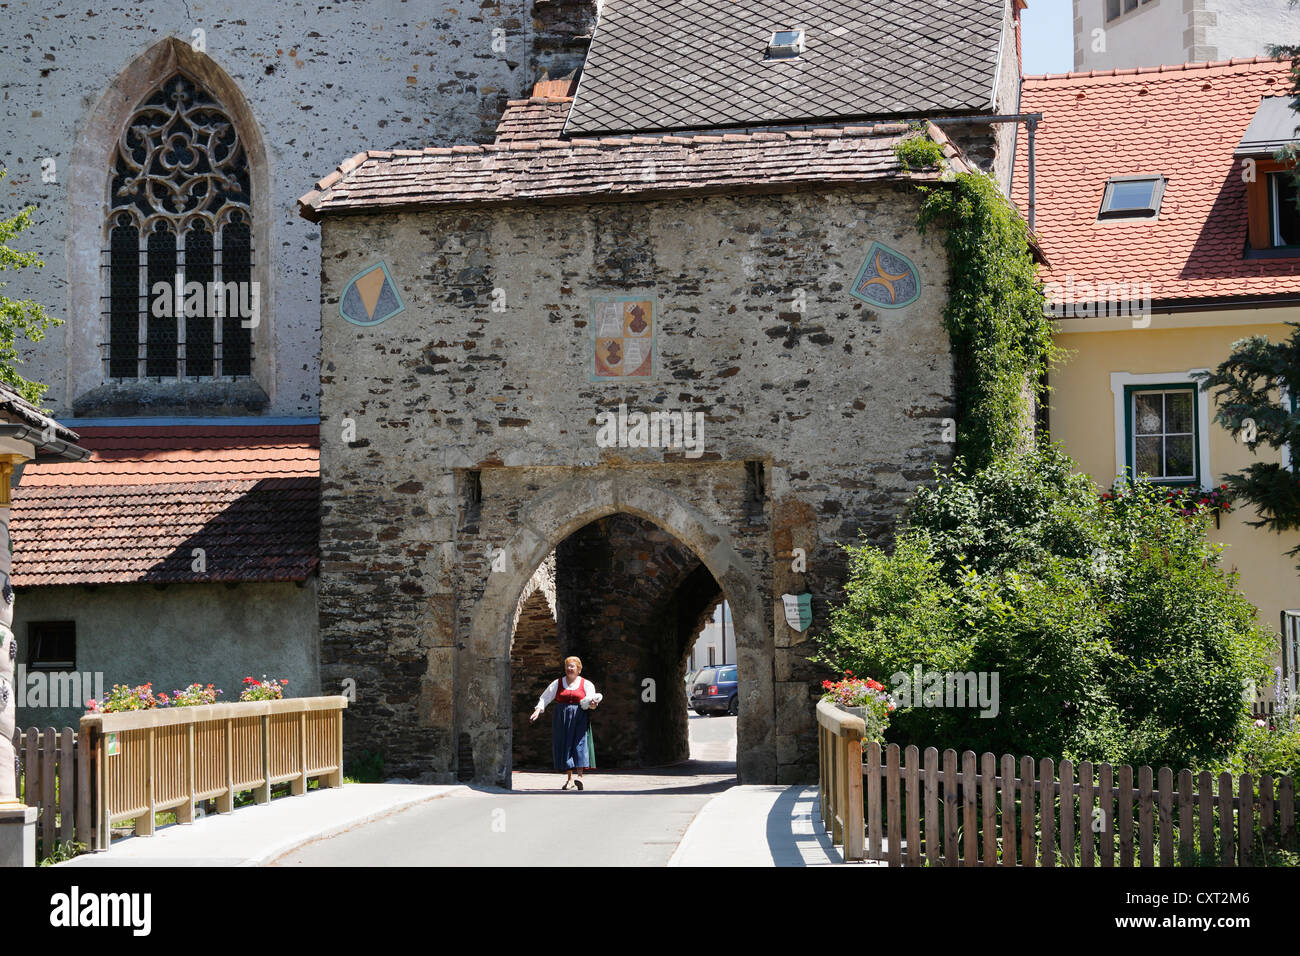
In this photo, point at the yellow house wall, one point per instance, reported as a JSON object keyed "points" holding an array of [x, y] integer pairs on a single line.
{"points": [[1082, 418]]}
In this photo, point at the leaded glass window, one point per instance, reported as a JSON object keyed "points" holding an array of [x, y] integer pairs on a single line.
{"points": [[178, 242], [1163, 432]]}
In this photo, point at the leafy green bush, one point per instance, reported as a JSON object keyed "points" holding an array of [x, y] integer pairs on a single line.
{"points": [[918, 152], [1114, 633], [366, 767]]}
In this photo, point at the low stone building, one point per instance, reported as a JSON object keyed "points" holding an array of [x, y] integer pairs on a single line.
{"points": [[673, 339]]}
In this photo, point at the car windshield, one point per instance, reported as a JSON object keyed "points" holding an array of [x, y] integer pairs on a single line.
{"points": [[705, 676]]}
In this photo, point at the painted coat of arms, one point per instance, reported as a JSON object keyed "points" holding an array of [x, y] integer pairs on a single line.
{"points": [[622, 337], [371, 296], [887, 279], [798, 610]]}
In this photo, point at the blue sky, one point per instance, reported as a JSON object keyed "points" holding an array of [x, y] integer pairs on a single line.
{"points": [[1047, 37]]}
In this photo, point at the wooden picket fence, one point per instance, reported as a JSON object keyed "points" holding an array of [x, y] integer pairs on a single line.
{"points": [[52, 766], [910, 809]]}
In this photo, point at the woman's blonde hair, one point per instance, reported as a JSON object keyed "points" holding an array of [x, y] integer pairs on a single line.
{"points": [[577, 660]]}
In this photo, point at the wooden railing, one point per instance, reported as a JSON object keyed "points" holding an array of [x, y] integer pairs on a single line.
{"points": [[839, 759], [987, 811], [146, 762], [51, 764]]}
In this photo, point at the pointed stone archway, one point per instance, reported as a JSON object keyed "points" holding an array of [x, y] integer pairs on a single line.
{"points": [[541, 523]]}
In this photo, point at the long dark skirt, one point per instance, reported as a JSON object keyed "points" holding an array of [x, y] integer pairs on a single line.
{"points": [[571, 743]]}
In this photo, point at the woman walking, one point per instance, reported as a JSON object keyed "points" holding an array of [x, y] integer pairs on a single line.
{"points": [[571, 742]]}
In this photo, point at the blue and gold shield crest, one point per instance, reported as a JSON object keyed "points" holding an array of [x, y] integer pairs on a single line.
{"points": [[887, 279], [371, 296]]}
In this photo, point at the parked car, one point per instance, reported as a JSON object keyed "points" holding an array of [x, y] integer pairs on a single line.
{"points": [[716, 691]]}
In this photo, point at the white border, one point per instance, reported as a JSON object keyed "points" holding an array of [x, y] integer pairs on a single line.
{"points": [[1118, 382]]}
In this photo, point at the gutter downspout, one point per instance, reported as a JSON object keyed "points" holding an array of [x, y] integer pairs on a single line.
{"points": [[1031, 121]]}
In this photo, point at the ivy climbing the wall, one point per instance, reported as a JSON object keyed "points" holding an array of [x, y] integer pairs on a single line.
{"points": [[1001, 338]]}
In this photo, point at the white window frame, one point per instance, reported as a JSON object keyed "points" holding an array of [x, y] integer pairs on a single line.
{"points": [[1119, 382]]}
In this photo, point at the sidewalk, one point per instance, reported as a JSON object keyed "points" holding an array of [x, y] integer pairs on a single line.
{"points": [[256, 834], [758, 826]]}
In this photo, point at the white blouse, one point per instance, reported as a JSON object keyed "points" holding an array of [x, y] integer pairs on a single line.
{"points": [[548, 695]]}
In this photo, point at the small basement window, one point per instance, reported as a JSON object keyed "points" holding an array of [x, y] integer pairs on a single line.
{"points": [[1132, 197], [52, 645], [785, 44]]}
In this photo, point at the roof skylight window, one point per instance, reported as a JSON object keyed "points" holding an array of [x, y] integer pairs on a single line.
{"points": [[785, 44], [1132, 197]]}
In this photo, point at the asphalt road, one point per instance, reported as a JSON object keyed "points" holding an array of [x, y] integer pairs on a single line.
{"points": [[620, 819]]}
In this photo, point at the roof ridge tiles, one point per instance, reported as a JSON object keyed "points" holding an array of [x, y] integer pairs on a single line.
{"points": [[1163, 68]]}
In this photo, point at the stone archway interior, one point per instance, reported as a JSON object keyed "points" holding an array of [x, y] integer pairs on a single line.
{"points": [[628, 598]]}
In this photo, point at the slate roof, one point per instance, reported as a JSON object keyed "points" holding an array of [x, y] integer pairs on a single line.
{"points": [[528, 162], [692, 64], [247, 495], [1183, 122]]}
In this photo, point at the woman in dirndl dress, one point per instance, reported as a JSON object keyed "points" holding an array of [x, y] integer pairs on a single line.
{"points": [[572, 746]]}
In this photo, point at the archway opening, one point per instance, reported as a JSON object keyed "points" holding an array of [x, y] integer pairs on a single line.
{"points": [[629, 599]]}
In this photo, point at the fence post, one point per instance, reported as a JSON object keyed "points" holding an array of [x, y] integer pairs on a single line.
{"points": [[1008, 810], [1028, 854], [67, 784], [853, 822], [185, 812], [300, 785], [1227, 838], [872, 804], [337, 777], [893, 807], [951, 851], [104, 836], [970, 854], [85, 775], [49, 752], [263, 793], [1166, 782], [912, 759], [147, 828], [1246, 820], [226, 800]]}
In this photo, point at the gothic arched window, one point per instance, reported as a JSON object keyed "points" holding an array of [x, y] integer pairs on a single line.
{"points": [[181, 300]]}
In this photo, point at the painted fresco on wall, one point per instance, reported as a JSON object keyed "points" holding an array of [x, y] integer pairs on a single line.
{"points": [[887, 279], [622, 337], [371, 297]]}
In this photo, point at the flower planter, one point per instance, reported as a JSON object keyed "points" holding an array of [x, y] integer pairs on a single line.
{"points": [[858, 712]]}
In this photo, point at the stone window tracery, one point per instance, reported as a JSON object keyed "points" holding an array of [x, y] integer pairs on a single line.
{"points": [[180, 302]]}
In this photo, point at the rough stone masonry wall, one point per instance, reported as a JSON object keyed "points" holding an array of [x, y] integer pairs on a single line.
{"points": [[843, 406], [321, 81]]}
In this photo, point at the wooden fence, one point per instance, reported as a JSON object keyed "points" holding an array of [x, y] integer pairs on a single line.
{"points": [[50, 767], [149, 761], [985, 811], [839, 761]]}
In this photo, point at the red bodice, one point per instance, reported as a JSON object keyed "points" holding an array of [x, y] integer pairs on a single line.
{"points": [[566, 696]]}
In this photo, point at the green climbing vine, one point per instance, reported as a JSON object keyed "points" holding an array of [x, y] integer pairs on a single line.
{"points": [[1001, 338]]}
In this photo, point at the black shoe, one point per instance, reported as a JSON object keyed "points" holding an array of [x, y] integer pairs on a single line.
{"points": [[579, 783], [568, 784]]}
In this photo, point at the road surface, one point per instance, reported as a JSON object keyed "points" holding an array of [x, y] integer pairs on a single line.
{"points": [[620, 819]]}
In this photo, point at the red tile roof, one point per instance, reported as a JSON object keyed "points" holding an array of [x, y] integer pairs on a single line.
{"points": [[530, 162], [247, 495], [1180, 121]]}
